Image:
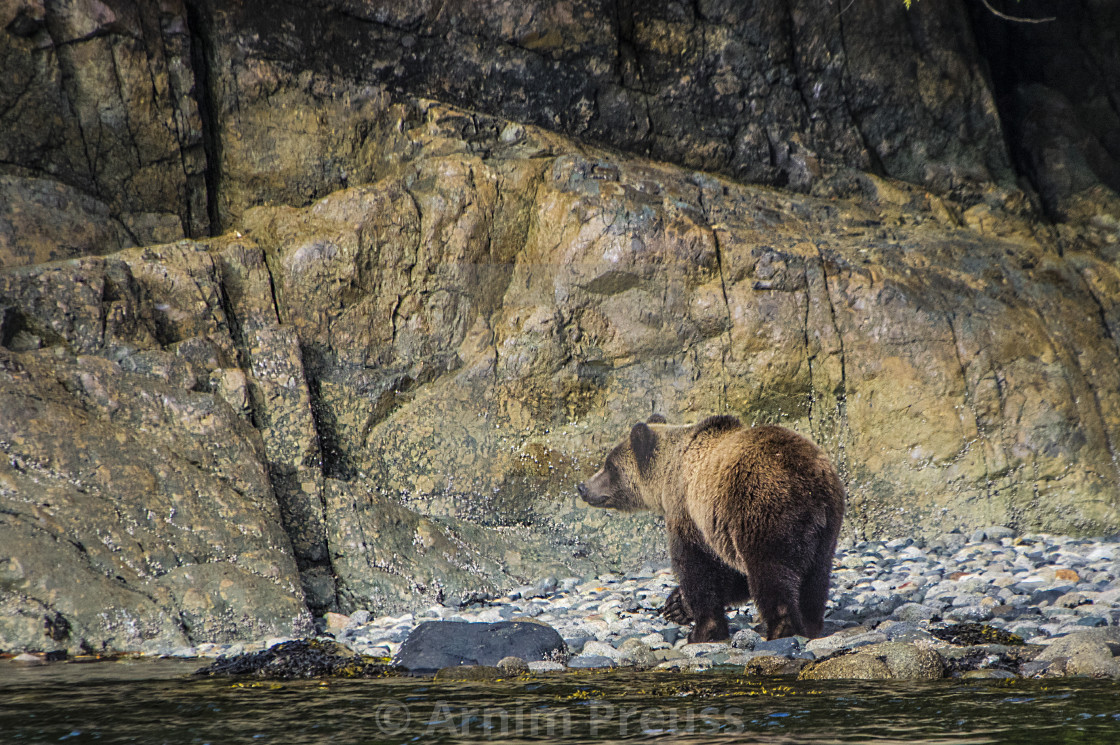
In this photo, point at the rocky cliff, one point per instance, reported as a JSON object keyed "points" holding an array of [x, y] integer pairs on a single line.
{"points": [[423, 321]]}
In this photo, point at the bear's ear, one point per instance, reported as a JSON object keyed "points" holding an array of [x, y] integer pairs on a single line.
{"points": [[642, 442], [656, 419]]}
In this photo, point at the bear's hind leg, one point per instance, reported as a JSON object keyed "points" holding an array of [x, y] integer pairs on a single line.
{"points": [[736, 586], [777, 593], [814, 590], [699, 573]]}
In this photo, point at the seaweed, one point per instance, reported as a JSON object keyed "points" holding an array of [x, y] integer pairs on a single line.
{"points": [[970, 634], [302, 658]]}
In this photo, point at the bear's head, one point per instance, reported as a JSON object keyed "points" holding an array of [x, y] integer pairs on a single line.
{"points": [[618, 484]]}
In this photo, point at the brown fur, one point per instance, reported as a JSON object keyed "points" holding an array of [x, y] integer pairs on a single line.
{"points": [[751, 512]]}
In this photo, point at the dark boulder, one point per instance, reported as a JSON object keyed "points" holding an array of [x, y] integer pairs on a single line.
{"points": [[434, 645]]}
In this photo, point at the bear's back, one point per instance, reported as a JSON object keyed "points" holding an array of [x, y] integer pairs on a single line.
{"points": [[768, 474]]}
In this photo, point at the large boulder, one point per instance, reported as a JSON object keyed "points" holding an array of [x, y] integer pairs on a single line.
{"points": [[1089, 653], [886, 661], [434, 645]]}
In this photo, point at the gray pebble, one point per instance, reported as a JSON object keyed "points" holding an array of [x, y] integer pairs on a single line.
{"points": [[746, 639], [543, 666], [575, 644], [591, 661], [671, 633], [784, 646]]}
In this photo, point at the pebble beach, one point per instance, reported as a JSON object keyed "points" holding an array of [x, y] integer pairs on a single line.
{"points": [[1032, 606], [1039, 588]]}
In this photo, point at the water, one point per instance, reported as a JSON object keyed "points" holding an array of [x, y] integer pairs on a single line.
{"points": [[158, 702]]}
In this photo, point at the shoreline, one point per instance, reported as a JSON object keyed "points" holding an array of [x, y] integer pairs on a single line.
{"points": [[1039, 588]]}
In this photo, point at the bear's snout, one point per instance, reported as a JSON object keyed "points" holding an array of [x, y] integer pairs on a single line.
{"points": [[586, 495]]}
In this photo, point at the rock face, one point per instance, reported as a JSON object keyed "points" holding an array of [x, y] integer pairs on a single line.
{"points": [[174, 119], [1060, 100], [405, 379], [98, 119], [774, 92], [384, 391], [137, 506], [536, 301]]}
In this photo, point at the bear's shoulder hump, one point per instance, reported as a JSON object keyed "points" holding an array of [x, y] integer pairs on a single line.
{"points": [[717, 423]]}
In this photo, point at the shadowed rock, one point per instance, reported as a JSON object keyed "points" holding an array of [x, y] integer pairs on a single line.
{"points": [[440, 644]]}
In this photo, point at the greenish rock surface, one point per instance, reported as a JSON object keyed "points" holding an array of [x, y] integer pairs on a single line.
{"points": [[765, 665], [889, 660], [1087, 653], [464, 673], [137, 504], [535, 306]]}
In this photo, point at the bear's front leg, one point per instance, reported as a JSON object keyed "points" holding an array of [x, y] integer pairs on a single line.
{"points": [[699, 573], [734, 589], [675, 609]]}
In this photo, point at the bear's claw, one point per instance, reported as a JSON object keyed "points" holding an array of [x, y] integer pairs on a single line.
{"points": [[674, 608]]}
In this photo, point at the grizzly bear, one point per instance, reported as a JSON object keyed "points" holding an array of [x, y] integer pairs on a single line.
{"points": [[751, 512]]}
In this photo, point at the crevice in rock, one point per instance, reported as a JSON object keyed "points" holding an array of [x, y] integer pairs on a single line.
{"points": [[794, 63], [277, 308], [202, 52], [843, 430], [333, 461], [1107, 330], [809, 356], [394, 314], [841, 398], [185, 627], [284, 479], [629, 68], [127, 119], [1106, 327], [726, 304], [240, 346], [179, 128], [969, 401], [1070, 366], [66, 73], [1063, 59], [623, 33]]}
